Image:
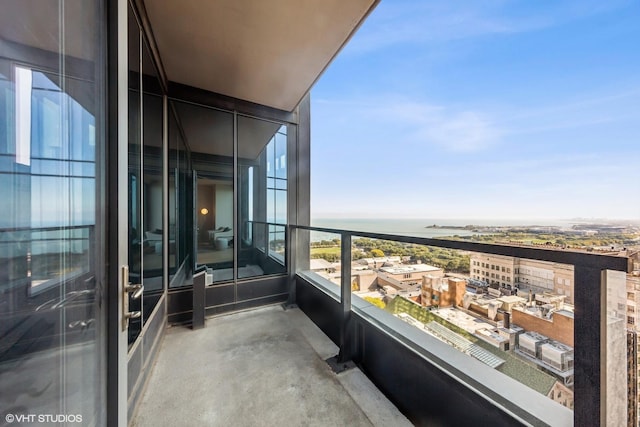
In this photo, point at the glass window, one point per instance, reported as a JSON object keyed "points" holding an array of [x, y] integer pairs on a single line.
{"points": [[152, 190], [145, 173], [262, 196], [209, 134], [52, 241], [180, 204], [134, 171]]}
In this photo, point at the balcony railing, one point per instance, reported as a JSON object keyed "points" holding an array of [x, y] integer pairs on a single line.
{"points": [[48, 289], [31, 257], [597, 357]]}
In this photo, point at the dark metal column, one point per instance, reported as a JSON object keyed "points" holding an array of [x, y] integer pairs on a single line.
{"points": [[590, 299], [291, 255]]}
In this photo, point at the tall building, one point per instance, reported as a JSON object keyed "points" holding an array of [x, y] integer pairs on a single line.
{"points": [[630, 311], [155, 169], [633, 398]]}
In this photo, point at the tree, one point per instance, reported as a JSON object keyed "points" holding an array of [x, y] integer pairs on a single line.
{"points": [[377, 253], [375, 301]]}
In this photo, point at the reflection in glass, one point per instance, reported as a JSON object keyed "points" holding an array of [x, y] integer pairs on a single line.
{"points": [[136, 234], [145, 180], [51, 324], [262, 197], [152, 194], [173, 164], [209, 134], [180, 204]]}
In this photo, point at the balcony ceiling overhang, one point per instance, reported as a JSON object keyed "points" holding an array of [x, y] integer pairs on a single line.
{"points": [[266, 52]]}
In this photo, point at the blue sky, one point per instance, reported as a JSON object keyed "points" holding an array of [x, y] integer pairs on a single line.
{"points": [[482, 110]]}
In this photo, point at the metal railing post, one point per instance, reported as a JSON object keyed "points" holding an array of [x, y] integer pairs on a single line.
{"points": [[345, 298], [595, 368], [343, 361], [291, 234]]}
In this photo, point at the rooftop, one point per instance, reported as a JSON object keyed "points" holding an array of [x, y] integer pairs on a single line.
{"points": [[406, 269], [320, 264], [463, 320], [511, 299]]}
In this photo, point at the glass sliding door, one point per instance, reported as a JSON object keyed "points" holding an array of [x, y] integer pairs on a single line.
{"points": [[52, 240], [209, 134], [145, 173], [136, 233]]}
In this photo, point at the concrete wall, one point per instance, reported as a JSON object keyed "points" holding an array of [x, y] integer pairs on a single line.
{"points": [[484, 312], [366, 280]]}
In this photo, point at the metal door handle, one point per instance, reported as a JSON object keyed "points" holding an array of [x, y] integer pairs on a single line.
{"points": [[129, 292], [135, 290]]}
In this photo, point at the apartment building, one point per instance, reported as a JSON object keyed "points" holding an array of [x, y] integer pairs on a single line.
{"points": [[633, 378], [510, 272], [632, 315], [442, 291], [631, 311], [155, 160]]}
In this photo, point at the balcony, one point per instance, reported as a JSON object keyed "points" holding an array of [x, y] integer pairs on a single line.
{"points": [[260, 367], [255, 366]]}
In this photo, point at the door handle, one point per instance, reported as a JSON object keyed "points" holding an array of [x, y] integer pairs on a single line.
{"points": [[133, 314], [129, 291], [134, 290]]}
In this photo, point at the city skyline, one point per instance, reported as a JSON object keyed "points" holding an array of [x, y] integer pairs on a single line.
{"points": [[491, 111]]}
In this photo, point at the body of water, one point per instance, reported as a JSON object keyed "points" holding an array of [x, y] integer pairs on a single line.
{"points": [[418, 227]]}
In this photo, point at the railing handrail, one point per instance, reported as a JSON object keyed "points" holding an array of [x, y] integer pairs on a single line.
{"points": [[42, 229], [266, 223], [590, 282], [565, 256]]}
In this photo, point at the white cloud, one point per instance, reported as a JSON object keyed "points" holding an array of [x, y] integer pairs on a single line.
{"points": [[441, 21], [474, 128], [446, 127], [461, 132], [427, 22]]}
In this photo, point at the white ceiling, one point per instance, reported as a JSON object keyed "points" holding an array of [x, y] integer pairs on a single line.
{"points": [[265, 51]]}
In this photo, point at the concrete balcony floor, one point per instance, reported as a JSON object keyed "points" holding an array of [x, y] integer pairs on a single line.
{"points": [[263, 367]]}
